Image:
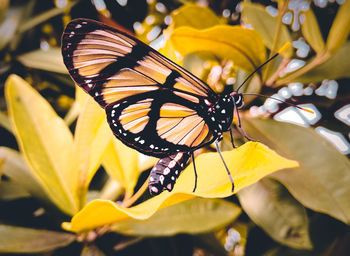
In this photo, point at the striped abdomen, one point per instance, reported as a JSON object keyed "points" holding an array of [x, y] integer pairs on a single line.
{"points": [[164, 174]]}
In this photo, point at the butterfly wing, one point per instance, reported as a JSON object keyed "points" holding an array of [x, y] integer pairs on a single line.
{"points": [[152, 104]]}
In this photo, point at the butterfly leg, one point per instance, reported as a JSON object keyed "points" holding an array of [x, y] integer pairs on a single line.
{"points": [[195, 172], [232, 142], [228, 171], [240, 124]]}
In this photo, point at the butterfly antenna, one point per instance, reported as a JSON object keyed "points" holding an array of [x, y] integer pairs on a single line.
{"points": [[291, 104], [283, 48]]}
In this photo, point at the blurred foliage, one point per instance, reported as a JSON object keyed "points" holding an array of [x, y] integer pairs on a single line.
{"points": [[62, 170]]}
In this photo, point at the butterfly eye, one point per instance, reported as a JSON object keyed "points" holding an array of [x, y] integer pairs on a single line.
{"points": [[238, 98]]}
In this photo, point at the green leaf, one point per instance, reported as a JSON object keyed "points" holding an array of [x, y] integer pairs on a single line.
{"points": [[44, 139], [322, 180], [49, 60], [256, 15], [272, 208], [244, 46], [11, 191], [194, 216], [194, 16], [335, 67], [340, 28], [311, 32], [28, 240]]}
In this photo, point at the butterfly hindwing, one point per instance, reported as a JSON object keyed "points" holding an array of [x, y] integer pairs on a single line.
{"points": [[154, 124]]}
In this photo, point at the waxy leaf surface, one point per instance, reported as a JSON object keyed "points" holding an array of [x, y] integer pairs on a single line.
{"points": [[248, 164], [44, 140], [244, 46], [322, 180], [194, 216]]}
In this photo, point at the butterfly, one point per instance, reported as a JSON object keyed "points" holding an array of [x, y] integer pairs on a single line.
{"points": [[152, 104]]}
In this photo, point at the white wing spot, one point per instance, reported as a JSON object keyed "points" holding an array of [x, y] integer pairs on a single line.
{"points": [[223, 111]]}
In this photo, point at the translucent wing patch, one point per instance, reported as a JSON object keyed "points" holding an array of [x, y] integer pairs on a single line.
{"points": [[135, 117], [181, 125], [157, 129]]}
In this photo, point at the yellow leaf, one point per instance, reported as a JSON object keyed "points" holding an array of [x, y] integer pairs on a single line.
{"points": [[121, 163], [92, 135], [244, 46], [190, 15], [44, 140], [50, 60], [248, 164], [80, 96], [194, 16]]}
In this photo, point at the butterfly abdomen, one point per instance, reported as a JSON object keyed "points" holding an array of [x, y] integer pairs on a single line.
{"points": [[165, 173]]}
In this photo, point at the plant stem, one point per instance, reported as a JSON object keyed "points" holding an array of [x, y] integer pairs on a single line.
{"points": [[133, 199], [321, 58]]}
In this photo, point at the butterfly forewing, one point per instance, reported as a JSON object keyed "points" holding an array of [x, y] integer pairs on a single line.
{"points": [[152, 104]]}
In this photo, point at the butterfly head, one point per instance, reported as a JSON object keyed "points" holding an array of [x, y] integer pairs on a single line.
{"points": [[238, 99]]}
